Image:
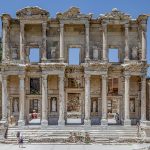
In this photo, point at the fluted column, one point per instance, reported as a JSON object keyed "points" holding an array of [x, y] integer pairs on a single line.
{"points": [[104, 120], [5, 54], [143, 99], [44, 26], [21, 121], [143, 32], [127, 120], [87, 41], [44, 121], [87, 120], [62, 42], [22, 53], [126, 42], [105, 57], [4, 100], [61, 121]]}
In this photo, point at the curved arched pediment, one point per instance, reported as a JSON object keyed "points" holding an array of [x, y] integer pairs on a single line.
{"points": [[32, 12]]}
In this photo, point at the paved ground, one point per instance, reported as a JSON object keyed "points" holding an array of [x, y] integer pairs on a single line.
{"points": [[72, 147]]}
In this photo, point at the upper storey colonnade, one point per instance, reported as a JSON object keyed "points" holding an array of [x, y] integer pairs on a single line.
{"points": [[108, 24]]}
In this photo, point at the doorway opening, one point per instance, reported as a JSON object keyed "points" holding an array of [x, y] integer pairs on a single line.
{"points": [[74, 56]]}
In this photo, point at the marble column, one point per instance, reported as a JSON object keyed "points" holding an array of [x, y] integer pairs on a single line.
{"points": [[143, 99], [44, 121], [126, 42], [143, 32], [4, 100], [87, 121], [104, 120], [127, 120], [105, 57], [44, 26], [22, 53], [62, 42], [87, 42], [61, 121], [5, 40], [21, 121]]}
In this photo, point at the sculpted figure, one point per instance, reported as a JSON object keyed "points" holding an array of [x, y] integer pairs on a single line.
{"points": [[134, 52], [95, 53], [53, 52]]}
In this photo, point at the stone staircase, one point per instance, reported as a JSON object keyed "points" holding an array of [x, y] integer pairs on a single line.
{"points": [[98, 134]]}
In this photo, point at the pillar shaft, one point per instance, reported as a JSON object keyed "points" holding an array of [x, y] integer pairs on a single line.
{"points": [[62, 42], [105, 42], [87, 120], [143, 99], [21, 121], [143, 42], [44, 26], [22, 43], [127, 120], [104, 100], [4, 99], [44, 121], [87, 41], [61, 120], [126, 42], [5, 55]]}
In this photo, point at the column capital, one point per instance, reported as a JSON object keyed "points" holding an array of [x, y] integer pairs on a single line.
{"points": [[44, 76], [21, 76], [4, 77], [61, 75], [127, 76], [87, 25], [104, 25], [104, 76], [61, 25], [86, 76], [126, 25]]}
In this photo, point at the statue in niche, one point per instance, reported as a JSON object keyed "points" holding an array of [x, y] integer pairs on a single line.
{"points": [[14, 54], [132, 105], [53, 52], [94, 106], [134, 52], [53, 104], [95, 53], [15, 106]]}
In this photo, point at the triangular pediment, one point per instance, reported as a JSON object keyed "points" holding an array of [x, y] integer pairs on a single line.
{"points": [[115, 14], [32, 12], [73, 13]]}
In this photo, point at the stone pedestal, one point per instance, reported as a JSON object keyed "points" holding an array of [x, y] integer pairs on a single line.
{"points": [[104, 122], [21, 123], [127, 122], [44, 123]]}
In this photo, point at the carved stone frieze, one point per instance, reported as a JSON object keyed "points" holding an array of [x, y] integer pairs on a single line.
{"points": [[73, 13], [32, 13], [115, 14]]}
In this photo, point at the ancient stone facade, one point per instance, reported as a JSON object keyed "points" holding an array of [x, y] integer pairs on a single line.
{"points": [[53, 92]]}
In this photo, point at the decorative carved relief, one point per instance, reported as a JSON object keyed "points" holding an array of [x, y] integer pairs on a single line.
{"points": [[73, 12], [115, 14]]}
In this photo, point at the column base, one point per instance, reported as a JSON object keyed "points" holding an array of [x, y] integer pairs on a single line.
{"points": [[87, 59], [87, 122], [21, 123], [105, 60], [104, 122], [61, 60], [61, 122], [43, 60], [144, 123], [127, 122], [44, 123], [3, 123], [126, 60]]}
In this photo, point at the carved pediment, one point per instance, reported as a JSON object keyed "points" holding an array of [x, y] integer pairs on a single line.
{"points": [[32, 12], [115, 15], [73, 13]]}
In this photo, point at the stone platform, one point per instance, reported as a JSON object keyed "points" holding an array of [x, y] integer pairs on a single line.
{"points": [[74, 134]]}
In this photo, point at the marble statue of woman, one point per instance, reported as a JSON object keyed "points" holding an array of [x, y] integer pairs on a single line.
{"points": [[15, 106]]}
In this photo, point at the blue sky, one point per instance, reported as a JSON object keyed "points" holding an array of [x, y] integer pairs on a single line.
{"points": [[132, 7]]}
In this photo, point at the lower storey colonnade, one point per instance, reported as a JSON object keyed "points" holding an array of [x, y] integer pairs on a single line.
{"points": [[26, 110]]}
